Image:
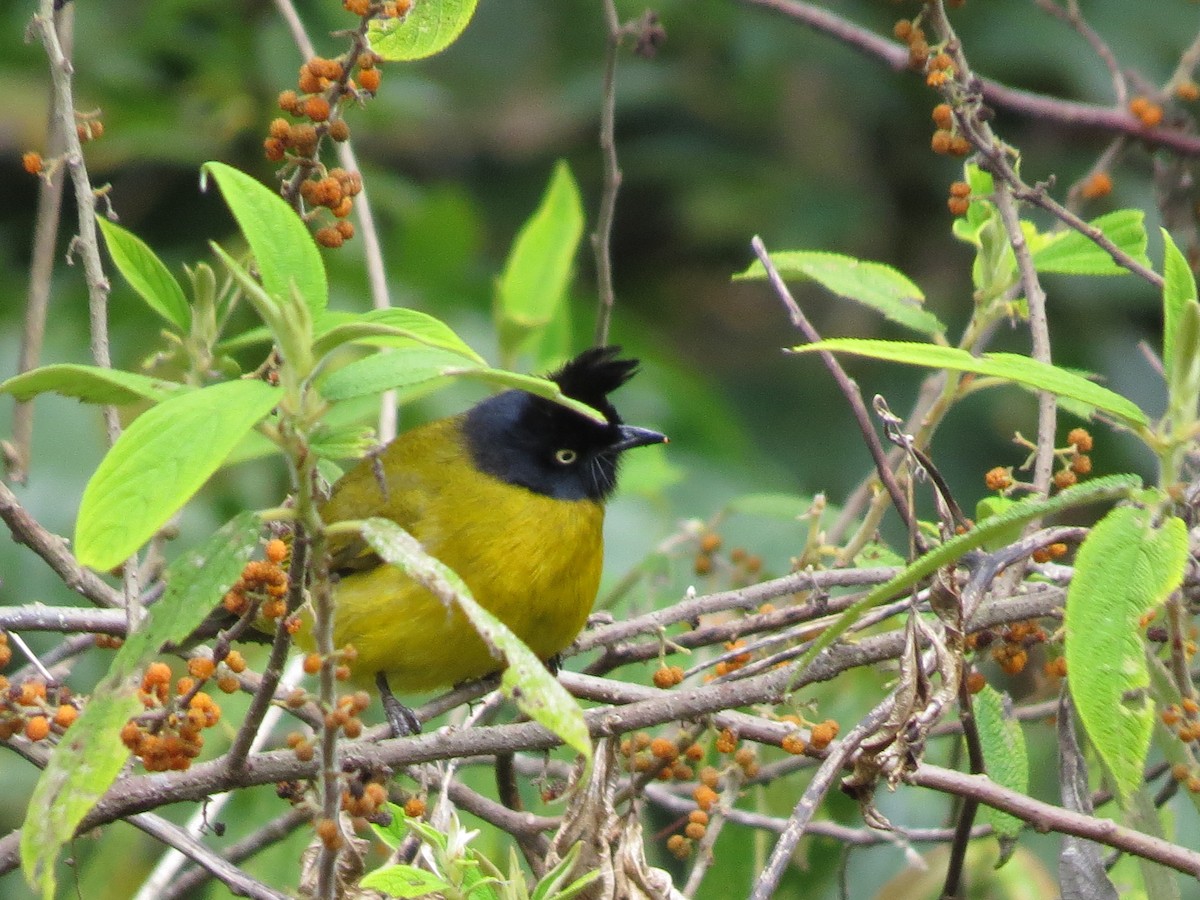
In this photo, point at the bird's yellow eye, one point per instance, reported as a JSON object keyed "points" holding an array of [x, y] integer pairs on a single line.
{"points": [[565, 456]]}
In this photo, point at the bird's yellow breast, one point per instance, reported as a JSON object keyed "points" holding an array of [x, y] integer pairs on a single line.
{"points": [[531, 560]]}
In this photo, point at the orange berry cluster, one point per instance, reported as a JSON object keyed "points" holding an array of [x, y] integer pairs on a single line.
{"points": [[1187, 91], [1075, 459], [1056, 550], [1097, 185], [913, 35], [1012, 651], [746, 565], [89, 129], [345, 659], [345, 714], [365, 795], [706, 794], [1146, 111], [939, 70], [668, 676], [946, 139], [389, 9], [680, 845], [959, 200], [1185, 776], [262, 582], [171, 738], [665, 757], [335, 192], [999, 478], [1055, 668], [733, 663], [1183, 718], [32, 708]]}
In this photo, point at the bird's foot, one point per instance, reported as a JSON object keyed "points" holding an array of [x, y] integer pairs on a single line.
{"points": [[403, 721]]}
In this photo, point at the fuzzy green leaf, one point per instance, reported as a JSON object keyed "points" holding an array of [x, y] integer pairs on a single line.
{"points": [[284, 251], [1125, 567], [1003, 744], [537, 273], [146, 274], [525, 679], [91, 384], [429, 28], [1072, 253], [159, 462], [1179, 286], [878, 286], [81, 769], [388, 328], [1008, 366], [404, 881]]}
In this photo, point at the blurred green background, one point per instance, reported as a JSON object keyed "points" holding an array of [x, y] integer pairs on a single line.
{"points": [[745, 123]]}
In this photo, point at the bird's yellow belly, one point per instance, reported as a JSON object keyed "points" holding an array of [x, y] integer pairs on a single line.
{"points": [[537, 570]]}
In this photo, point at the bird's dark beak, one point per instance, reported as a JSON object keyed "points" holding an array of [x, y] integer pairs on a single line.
{"points": [[632, 436]]}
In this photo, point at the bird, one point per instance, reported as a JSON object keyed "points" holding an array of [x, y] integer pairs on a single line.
{"points": [[509, 494]]}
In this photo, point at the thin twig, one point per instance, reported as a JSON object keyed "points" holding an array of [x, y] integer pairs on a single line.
{"points": [[1072, 15], [848, 388], [602, 236]]}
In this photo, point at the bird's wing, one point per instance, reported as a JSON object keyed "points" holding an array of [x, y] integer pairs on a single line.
{"points": [[394, 484]]}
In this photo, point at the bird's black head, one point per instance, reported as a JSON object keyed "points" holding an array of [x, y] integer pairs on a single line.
{"points": [[539, 445]]}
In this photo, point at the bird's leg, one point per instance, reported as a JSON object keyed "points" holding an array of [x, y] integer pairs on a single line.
{"points": [[401, 719], [554, 664]]}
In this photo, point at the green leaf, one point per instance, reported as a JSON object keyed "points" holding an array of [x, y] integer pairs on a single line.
{"points": [[388, 328], [537, 272], [1008, 366], [395, 830], [1110, 487], [1003, 744], [1125, 567], [91, 384], [1179, 286], [525, 679], [990, 506], [878, 286], [159, 462], [146, 274], [406, 367], [1072, 253], [284, 251], [404, 881], [82, 767], [429, 28], [195, 582]]}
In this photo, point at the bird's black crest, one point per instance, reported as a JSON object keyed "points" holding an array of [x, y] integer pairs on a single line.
{"points": [[594, 374]]}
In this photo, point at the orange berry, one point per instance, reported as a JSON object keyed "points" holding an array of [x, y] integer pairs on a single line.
{"points": [[726, 741], [156, 673], [940, 142], [958, 206], [1190, 706], [705, 797], [998, 478], [37, 728], [345, 228], [959, 145], [339, 130], [823, 734], [665, 677], [369, 79], [312, 664], [235, 661], [793, 744], [1081, 464], [943, 116], [679, 846], [201, 667], [710, 542], [65, 715], [976, 682], [941, 62], [32, 162], [1146, 111], [1098, 184], [414, 807], [703, 564], [316, 108], [1187, 91], [1080, 439], [664, 748], [695, 830], [329, 833], [1064, 478], [960, 189], [289, 102], [276, 550], [329, 237]]}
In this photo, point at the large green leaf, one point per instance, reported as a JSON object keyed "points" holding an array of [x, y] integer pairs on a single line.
{"points": [[525, 680], [1072, 253], [537, 272], [146, 274], [430, 27], [1179, 286], [408, 366], [388, 328], [405, 881], [1003, 744], [284, 252], [1009, 366], [91, 384], [159, 462], [82, 767], [873, 284], [1127, 565]]}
